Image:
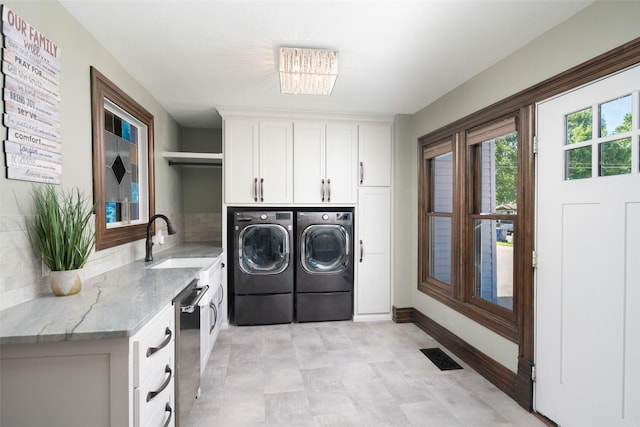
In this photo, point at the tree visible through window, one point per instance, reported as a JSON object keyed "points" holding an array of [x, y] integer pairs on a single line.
{"points": [[613, 155], [471, 254], [494, 173]]}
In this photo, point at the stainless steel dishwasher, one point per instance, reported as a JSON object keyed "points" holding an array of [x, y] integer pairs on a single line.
{"points": [[187, 376]]}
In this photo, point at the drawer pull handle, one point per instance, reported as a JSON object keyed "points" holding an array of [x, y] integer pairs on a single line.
{"points": [[163, 344], [152, 394], [167, 408]]}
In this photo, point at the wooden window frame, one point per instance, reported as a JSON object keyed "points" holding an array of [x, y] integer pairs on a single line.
{"points": [[460, 294], [428, 153], [101, 89], [523, 102], [476, 137], [614, 60]]}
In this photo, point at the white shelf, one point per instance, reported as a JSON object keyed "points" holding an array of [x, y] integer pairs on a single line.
{"points": [[192, 159]]}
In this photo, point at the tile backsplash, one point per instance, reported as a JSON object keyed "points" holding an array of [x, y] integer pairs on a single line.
{"points": [[203, 227]]}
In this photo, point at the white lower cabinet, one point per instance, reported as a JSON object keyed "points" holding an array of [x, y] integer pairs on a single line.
{"points": [[154, 370], [211, 314], [373, 251], [102, 382]]}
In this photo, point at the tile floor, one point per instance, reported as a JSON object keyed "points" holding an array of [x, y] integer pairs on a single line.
{"points": [[343, 374]]}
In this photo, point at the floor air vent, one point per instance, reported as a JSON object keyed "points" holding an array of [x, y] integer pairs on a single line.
{"points": [[440, 359]]}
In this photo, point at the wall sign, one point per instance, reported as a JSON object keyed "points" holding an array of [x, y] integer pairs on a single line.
{"points": [[31, 69]]}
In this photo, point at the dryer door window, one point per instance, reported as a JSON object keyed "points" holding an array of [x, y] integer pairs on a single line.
{"points": [[264, 249], [324, 248]]}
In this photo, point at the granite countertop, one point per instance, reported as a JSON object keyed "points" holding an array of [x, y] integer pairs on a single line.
{"points": [[114, 304]]}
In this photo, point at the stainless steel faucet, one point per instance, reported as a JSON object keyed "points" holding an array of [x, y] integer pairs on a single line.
{"points": [[149, 242]]}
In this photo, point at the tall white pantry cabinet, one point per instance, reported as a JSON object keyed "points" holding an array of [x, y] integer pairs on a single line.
{"points": [[292, 159], [373, 290]]}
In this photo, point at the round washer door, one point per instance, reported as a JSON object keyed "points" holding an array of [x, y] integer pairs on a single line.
{"points": [[324, 248], [263, 249]]}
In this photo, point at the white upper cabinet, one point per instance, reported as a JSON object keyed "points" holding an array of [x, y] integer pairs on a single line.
{"points": [[374, 155], [241, 160], [276, 162], [341, 164], [325, 160], [258, 161]]}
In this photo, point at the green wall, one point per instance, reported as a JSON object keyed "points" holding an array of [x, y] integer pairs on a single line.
{"points": [[201, 186], [20, 273], [599, 28]]}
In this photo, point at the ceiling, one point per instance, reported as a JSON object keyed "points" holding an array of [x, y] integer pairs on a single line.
{"points": [[395, 56]]}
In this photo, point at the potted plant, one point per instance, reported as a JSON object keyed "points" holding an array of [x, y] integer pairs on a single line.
{"points": [[60, 233]]}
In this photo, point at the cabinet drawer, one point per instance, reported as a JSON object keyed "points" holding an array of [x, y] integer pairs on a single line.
{"points": [[153, 345], [153, 396], [163, 414]]}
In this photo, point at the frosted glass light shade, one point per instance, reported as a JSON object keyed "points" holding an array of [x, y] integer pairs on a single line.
{"points": [[308, 71]]}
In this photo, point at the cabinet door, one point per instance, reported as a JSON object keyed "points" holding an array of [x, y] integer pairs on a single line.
{"points": [[374, 251], [240, 161], [276, 162], [341, 163], [374, 155], [309, 162]]}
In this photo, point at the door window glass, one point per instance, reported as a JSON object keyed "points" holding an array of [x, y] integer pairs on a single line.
{"points": [[578, 163], [579, 126], [587, 152], [325, 248], [615, 116], [264, 249], [615, 157]]}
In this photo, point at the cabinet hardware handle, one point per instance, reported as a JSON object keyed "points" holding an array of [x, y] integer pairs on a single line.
{"points": [[221, 294], [261, 190], [361, 172], [163, 344], [361, 250], [215, 316], [328, 191], [169, 409], [322, 190], [152, 394], [255, 189]]}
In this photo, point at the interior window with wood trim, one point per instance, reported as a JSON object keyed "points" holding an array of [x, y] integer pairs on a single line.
{"points": [[438, 211], [493, 173], [472, 194]]}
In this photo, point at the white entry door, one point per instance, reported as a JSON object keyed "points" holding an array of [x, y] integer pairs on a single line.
{"points": [[588, 247]]}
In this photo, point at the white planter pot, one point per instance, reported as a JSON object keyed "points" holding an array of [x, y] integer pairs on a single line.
{"points": [[64, 283]]}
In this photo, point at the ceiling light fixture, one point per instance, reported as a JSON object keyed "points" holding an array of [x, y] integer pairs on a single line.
{"points": [[308, 71]]}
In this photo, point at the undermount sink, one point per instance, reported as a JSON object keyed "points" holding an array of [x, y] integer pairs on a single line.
{"points": [[185, 263]]}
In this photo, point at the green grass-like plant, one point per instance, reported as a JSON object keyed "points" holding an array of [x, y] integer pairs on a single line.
{"points": [[60, 231]]}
